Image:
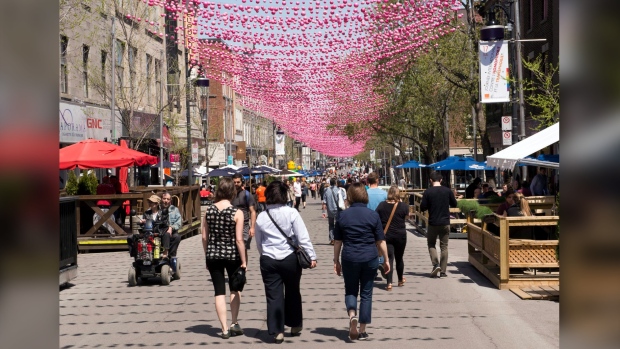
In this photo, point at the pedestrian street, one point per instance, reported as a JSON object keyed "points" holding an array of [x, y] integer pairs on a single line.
{"points": [[99, 310]]}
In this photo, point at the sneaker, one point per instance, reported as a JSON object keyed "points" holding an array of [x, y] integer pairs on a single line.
{"points": [[363, 336], [443, 275], [235, 330], [226, 335], [436, 270], [353, 333]]}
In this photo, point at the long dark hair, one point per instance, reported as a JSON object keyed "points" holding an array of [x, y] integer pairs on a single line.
{"points": [[276, 193]]}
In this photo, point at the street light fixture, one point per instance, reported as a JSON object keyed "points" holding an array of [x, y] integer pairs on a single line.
{"points": [[203, 85]]}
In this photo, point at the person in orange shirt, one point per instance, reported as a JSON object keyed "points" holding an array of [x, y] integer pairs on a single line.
{"points": [[260, 196]]}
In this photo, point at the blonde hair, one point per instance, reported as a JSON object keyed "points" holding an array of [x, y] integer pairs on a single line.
{"points": [[524, 206], [393, 194]]}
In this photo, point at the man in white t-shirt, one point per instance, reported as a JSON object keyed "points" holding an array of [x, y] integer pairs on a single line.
{"points": [[297, 192]]}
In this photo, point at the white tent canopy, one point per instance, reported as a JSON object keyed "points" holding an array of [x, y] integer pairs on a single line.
{"points": [[509, 157]]}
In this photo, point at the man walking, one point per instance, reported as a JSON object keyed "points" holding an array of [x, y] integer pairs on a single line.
{"points": [[245, 202], [438, 199], [297, 191], [330, 207], [260, 197], [375, 195]]}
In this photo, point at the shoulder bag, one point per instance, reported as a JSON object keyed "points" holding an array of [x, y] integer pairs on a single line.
{"points": [[302, 256], [390, 219], [385, 232]]}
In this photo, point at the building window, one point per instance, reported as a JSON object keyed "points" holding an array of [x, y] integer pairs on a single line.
{"points": [[104, 58], [85, 51], [118, 62], [158, 83], [545, 9], [64, 80], [149, 72]]}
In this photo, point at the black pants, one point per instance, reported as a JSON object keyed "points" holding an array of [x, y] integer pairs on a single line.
{"points": [[281, 279], [216, 269], [396, 249], [171, 243], [297, 202]]}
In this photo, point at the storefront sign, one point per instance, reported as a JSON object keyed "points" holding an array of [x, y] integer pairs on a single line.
{"points": [[77, 123]]}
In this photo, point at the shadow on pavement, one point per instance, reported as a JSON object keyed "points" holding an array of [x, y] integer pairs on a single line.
{"points": [[261, 335], [342, 335], [471, 273], [206, 329]]}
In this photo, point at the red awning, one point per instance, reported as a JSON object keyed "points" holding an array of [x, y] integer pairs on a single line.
{"points": [[93, 153]]}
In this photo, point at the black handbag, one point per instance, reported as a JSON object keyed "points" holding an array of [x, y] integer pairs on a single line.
{"points": [[238, 280], [303, 258]]}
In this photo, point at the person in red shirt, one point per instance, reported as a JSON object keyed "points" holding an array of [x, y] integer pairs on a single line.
{"points": [[260, 196]]}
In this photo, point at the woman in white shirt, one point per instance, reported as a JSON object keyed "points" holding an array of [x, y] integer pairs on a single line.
{"points": [[278, 263]]}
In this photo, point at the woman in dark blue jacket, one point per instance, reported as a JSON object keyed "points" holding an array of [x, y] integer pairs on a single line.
{"points": [[359, 233]]}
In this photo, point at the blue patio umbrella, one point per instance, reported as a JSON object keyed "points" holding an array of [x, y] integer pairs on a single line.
{"points": [[543, 157], [410, 164], [463, 163], [444, 162], [226, 172]]}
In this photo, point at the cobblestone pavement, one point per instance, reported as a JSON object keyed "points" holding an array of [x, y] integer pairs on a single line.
{"points": [[99, 310]]}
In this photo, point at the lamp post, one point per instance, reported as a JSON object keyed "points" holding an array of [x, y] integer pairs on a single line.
{"points": [[203, 84], [493, 31]]}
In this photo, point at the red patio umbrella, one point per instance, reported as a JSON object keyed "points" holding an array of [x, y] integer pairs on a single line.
{"points": [[123, 172], [93, 153]]}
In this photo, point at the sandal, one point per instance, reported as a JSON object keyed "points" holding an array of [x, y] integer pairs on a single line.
{"points": [[388, 287], [401, 283]]}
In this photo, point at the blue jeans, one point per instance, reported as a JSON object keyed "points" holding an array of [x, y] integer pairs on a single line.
{"points": [[359, 278]]}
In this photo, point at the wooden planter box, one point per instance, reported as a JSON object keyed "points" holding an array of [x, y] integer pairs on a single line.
{"points": [[186, 199], [502, 259]]}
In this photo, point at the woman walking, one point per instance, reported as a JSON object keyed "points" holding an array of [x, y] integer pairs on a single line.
{"points": [[313, 189], [358, 232], [222, 241], [304, 191], [278, 263], [393, 214]]}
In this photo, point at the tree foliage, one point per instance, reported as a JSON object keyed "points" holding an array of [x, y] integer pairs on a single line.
{"points": [[542, 92], [72, 183]]}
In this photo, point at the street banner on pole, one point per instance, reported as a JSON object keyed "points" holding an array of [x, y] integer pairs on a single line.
{"points": [[280, 139], [372, 155], [494, 73]]}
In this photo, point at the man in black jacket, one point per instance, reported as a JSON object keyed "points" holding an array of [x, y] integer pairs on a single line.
{"points": [[438, 199]]}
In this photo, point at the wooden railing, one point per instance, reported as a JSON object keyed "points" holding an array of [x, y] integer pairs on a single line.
{"points": [[540, 205], [495, 255], [186, 199]]}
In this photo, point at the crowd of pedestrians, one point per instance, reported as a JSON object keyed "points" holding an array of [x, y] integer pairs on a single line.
{"points": [[366, 226]]}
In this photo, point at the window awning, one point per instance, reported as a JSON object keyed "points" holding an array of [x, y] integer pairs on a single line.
{"points": [[509, 157]]}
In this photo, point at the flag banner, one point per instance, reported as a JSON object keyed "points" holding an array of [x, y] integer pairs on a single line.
{"points": [[372, 155], [280, 138], [494, 73]]}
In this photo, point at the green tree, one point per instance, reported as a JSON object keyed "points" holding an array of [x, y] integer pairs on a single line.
{"points": [[72, 183], [85, 185], [542, 92]]}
